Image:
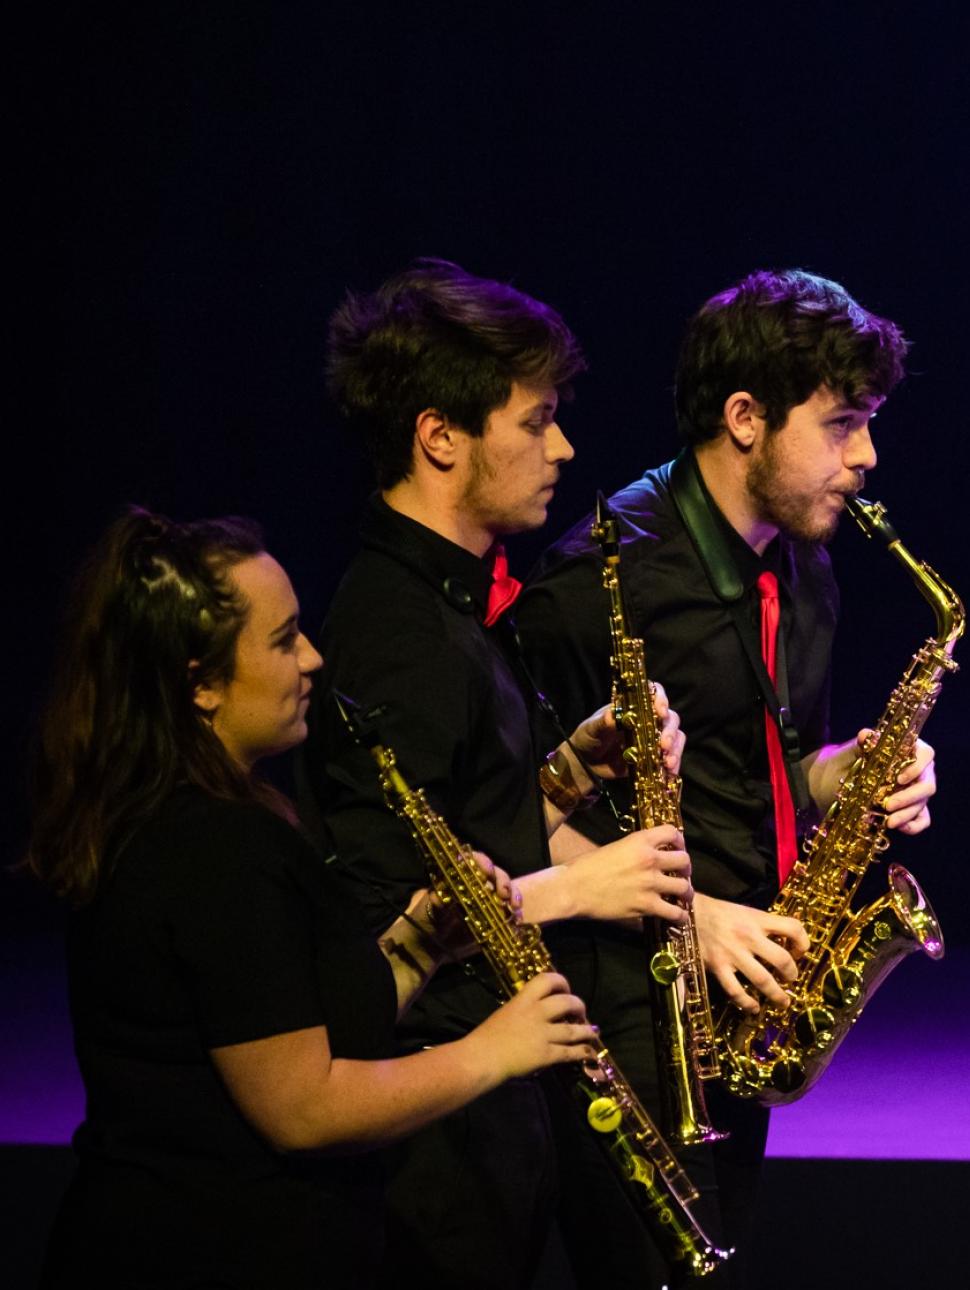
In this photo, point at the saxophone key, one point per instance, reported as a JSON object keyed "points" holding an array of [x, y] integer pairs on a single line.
{"points": [[842, 986], [815, 1029], [786, 1076], [664, 967], [604, 1115]]}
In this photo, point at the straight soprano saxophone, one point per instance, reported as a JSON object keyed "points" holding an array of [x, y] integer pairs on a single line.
{"points": [[660, 1190], [681, 1009], [777, 1055]]}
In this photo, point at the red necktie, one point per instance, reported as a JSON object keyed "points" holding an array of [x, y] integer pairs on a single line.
{"points": [[504, 589], [785, 836]]}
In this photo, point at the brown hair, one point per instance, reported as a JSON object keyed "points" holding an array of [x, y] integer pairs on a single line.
{"points": [[436, 336], [782, 336], [152, 614]]}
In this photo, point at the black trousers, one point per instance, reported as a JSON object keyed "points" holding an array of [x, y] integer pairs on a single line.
{"points": [[471, 1199], [605, 1239]]}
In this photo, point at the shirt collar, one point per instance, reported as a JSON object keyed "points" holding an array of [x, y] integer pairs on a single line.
{"points": [[775, 558], [462, 578]]}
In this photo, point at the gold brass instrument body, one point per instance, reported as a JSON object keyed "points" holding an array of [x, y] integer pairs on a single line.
{"points": [[777, 1055], [661, 1191], [683, 1024]]}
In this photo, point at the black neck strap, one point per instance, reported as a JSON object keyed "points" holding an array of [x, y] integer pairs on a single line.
{"points": [[705, 534]]}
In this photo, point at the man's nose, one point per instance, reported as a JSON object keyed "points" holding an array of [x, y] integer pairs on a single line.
{"points": [[860, 453]]}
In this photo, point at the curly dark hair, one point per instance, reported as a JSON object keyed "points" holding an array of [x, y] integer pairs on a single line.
{"points": [[152, 614], [781, 336], [435, 336]]}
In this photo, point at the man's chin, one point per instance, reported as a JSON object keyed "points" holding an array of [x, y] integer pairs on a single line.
{"points": [[528, 523], [819, 525], [822, 532]]}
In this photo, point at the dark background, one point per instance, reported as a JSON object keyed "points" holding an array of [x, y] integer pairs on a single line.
{"points": [[200, 183], [195, 185]]}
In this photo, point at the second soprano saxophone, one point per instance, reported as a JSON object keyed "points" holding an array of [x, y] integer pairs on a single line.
{"points": [[660, 1190], [777, 1055], [681, 1008]]}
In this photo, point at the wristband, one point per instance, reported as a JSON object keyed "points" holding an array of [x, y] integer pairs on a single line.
{"points": [[560, 788]]}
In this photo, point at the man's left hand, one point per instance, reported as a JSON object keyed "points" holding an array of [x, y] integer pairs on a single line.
{"points": [[601, 744], [907, 809]]}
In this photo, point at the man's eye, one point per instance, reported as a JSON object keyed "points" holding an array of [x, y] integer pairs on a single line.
{"points": [[288, 641]]}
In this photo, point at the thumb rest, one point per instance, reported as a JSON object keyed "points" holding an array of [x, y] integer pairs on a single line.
{"points": [[680, 1007], [779, 1054], [661, 1192]]}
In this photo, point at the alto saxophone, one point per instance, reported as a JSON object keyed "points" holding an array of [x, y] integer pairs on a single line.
{"points": [[777, 1055], [681, 1008], [661, 1192]]}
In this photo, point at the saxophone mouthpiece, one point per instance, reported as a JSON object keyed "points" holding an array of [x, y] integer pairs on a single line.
{"points": [[605, 530], [360, 722], [871, 518]]}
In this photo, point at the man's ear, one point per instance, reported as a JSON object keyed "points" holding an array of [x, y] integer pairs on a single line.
{"points": [[435, 437], [744, 419]]}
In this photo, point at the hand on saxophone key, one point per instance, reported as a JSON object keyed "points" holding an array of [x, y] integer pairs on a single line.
{"points": [[907, 809], [443, 922], [672, 738], [761, 946], [501, 883], [641, 874], [542, 1025], [602, 745]]}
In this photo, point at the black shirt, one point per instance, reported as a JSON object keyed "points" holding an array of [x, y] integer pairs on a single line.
{"points": [[693, 649], [219, 925], [405, 631]]}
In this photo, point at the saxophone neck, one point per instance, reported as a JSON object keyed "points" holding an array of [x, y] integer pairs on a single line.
{"points": [[946, 604]]}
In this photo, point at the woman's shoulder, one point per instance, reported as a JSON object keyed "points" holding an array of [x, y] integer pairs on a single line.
{"points": [[211, 840]]}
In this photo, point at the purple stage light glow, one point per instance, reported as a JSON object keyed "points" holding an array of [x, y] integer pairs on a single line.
{"points": [[897, 1088]]}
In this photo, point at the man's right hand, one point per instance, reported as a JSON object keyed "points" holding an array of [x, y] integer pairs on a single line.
{"points": [[633, 877], [762, 947]]}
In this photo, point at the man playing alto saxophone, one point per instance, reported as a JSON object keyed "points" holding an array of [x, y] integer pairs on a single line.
{"points": [[777, 382], [453, 382]]}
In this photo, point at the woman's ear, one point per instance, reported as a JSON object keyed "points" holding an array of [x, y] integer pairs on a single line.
{"points": [[205, 697]]}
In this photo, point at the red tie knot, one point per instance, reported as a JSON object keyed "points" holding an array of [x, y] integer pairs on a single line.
{"points": [[504, 588]]}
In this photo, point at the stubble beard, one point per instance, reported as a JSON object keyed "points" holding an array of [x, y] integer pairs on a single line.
{"points": [[779, 504], [482, 498]]}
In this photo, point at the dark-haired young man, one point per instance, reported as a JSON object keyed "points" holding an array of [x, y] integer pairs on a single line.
{"points": [[777, 382], [453, 382]]}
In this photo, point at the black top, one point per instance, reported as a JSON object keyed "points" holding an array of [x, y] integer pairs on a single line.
{"points": [[219, 925], [693, 648], [405, 630]]}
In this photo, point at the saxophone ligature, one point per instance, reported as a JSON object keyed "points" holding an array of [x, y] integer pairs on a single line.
{"points": [[777, 1055], [659, 1188], [681, 1009]]}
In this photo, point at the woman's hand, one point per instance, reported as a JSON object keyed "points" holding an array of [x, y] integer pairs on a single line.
{"points": [[543, 1025]]}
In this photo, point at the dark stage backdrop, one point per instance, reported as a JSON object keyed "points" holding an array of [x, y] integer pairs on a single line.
{"points": [[202, 181]]}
